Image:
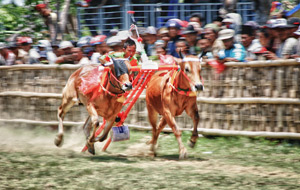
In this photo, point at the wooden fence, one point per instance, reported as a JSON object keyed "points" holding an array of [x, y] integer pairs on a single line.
{"points": [[252, 99]]}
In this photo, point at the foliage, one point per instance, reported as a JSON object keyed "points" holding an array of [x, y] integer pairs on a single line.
{"points": [[14, 19]]}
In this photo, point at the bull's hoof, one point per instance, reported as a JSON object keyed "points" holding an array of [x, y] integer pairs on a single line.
{"points": [[101, 138], [183, 155], [91, 148], [191, 143], [149, 142], [58, 141]]}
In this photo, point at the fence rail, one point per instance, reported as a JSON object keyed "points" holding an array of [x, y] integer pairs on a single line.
{"points": [[107, 17]]}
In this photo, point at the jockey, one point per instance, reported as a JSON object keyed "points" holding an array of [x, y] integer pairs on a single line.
{"points": [[128, 53]]}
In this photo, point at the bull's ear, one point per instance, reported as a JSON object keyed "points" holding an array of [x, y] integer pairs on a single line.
{"points": [[178, 61], [180, 54], [127, 63]]}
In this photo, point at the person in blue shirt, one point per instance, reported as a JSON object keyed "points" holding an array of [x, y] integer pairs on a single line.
{"points": [[233, 51]]}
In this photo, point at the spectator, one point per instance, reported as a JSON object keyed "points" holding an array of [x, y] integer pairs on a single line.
{"points": [[294, 22], [264, 40], [114, 44], [161, 50], [45, 52], [6, 56], [113, 32], [163, 35], [297, 50], [55, 49], [79, 57], [26, 54], [84, 44], [218, 21], [50, 19], [196, 17], [182, 45], [13, 47], [233, 21], [211, 34], [100, 48], [251, 44], [174, 30], [205, 48], [66, 53], [233, 51], [150, 40], [191, 35], [287, 43], [273, 36]]}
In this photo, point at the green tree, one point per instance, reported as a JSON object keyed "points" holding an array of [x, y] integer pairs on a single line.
{"points": [[25, 20]]}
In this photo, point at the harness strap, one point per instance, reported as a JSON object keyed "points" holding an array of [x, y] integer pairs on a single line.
{"points": [[103, 82], [183, 92], [186, 92]]}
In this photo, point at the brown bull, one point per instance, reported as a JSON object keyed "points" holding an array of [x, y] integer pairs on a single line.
{"points": [[171, 93], [104, 100]]}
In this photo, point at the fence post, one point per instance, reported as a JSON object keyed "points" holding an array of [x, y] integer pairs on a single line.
{"points": [[101, 20], [125, 17], [78, 22]]}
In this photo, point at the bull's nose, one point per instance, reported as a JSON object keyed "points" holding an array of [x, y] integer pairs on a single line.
{"points": [[128, 85], [199, 87]]}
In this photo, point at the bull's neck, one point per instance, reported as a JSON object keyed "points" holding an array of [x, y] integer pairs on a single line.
{"points": [[181, 82], [113, 86]]}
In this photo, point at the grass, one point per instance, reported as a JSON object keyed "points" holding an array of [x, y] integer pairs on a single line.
{"points": [[29, 160]]}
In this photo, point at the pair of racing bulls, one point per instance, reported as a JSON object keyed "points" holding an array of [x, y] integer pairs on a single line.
{"points": [[168, 93]]}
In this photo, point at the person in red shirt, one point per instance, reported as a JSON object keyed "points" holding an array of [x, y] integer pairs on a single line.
{"points": [[7, 57]]}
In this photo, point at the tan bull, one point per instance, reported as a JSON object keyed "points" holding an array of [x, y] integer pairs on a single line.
{"points": [[169, 94]]}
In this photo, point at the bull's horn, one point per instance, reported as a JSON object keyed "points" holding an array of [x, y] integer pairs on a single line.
{"points": [[180, 54]]}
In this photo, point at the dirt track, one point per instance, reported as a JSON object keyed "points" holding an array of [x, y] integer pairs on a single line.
{"points": [[202, 170]]}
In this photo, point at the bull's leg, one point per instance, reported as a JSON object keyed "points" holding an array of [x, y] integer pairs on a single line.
{"points": [[161, 125], [62, 110], [152, 117], [193, 113], [87, 127], [107, 127], [172, 123], [94, 120]]}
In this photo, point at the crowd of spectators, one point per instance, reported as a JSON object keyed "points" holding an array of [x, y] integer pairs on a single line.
{"points": [[225, 39]]}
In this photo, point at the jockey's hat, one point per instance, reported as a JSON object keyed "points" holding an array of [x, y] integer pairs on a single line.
{"points": [[123, 35], [113, 41]]}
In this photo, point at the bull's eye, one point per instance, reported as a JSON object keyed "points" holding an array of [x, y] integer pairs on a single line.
{"points": [[187, 70]]}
